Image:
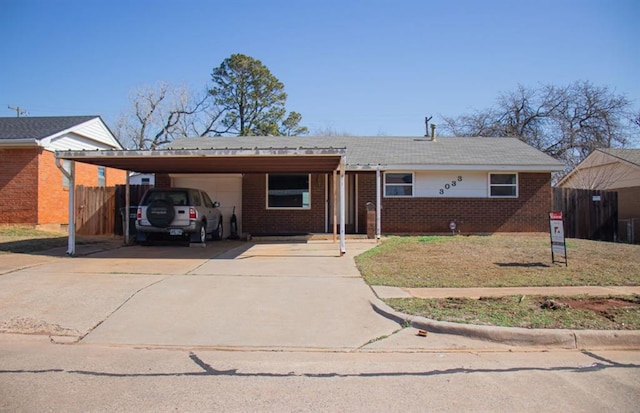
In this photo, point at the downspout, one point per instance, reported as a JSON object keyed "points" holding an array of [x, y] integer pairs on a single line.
{"points": [[378, 202], [343, 246], [70, 175]]}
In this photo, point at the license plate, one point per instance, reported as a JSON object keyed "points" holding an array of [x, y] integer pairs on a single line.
{"points": [[175, 232]]}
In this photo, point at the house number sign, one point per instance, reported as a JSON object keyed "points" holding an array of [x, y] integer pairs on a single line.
{"points": [[448, 186]]}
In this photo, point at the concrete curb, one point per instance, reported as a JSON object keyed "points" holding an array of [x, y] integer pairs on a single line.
{"points": [[551, 338]]}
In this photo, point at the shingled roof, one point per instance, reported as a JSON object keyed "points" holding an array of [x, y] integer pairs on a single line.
{"points": [[396, 151], [37, 128], [629, 155]]}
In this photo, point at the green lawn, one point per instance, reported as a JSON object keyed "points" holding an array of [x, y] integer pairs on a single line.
{"points": [[24, 239], [497, 261], [508, 261]]}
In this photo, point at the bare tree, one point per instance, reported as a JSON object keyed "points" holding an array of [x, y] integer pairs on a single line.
{"points": [[162, 113], [203, 118], [566, 122], [329, 130]]}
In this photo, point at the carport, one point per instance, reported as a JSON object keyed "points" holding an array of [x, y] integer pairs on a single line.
{"points": [[212, 161]]}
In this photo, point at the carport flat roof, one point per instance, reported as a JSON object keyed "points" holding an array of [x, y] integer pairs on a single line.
{"points": [[270, 160]]}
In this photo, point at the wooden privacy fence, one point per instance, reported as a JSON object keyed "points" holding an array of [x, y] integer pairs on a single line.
{"points": [[588, 214], [99, 209], [95, 210], [629, 230], [135, 195]]}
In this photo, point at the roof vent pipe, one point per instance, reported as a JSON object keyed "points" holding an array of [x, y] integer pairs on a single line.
{"points": [[433, 132]]}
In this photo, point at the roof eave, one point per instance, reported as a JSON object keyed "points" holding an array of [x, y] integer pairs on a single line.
{"points": [[450, 167], [110, 153], [20, 143]]}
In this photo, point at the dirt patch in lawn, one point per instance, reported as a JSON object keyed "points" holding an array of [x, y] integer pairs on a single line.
{"points": [[576, 312], [599, 305]]}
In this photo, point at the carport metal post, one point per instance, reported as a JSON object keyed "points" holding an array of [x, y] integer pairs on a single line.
{"points": [[378, 202], [343, 246], [71, 176], [334, 203], [127, 204]]}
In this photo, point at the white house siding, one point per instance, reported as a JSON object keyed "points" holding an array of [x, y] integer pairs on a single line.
{"points": [[224, 188], [136, 179], [450, 184], [98, 132], [73, 142]]}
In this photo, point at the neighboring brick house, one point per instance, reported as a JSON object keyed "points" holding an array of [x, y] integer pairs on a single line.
{"points": [[33, 190], [285, 185]]}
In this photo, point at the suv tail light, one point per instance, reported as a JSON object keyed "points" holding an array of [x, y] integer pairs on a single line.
{"points": [[139, 213], [193, 214]]}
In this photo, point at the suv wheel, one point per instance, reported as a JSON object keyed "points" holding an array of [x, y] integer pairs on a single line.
{"points": [[203, 233], [160, 213], [219, 231]]}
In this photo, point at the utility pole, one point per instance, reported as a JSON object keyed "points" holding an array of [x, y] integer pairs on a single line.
{"points": [[19, 110]]}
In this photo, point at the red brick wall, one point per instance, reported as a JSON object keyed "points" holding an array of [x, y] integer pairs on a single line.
{"points": [[19, 186], [366, 193], [53, 197], [31, 186], [527, 213], [115, 177], [162, 181], [257, 219]]}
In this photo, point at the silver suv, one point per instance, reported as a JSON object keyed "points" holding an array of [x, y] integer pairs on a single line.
{"points": [[183, 213]]}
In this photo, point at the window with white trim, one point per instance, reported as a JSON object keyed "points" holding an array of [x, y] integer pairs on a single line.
{"points": [[503, 185], [398, 184], [288, 191], [102, 176]]}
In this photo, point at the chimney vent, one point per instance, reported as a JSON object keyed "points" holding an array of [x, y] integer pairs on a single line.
{"points": [[433, 132]]}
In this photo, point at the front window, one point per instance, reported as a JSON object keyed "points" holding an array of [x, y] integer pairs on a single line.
{"points": [[288, 191], [101, 176], [398, 184], [503, 185]]}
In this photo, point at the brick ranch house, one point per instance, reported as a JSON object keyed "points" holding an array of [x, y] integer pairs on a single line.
{"points": [[33, 190], [287, 185]]}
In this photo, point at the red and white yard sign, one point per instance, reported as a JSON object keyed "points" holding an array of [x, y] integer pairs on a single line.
{"points": [[558, 244]]}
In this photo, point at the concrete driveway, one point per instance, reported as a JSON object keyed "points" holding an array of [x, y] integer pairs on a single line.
{"points": [[229, 294]]}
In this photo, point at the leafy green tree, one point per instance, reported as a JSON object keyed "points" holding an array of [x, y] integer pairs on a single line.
{"points": [[252, 98]]}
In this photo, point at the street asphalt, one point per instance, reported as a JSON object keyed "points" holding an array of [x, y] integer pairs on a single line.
{"points": [[238, 295]]}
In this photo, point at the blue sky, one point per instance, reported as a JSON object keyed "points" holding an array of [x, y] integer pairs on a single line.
{"points": [[359, 67]]}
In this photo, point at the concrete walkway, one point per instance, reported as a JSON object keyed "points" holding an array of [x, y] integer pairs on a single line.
{"points": [[228, 295], [233, 294], [397, 292]]}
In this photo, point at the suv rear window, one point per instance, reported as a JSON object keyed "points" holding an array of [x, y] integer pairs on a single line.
{"points": [[196, 198], [176, 198]]}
